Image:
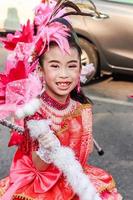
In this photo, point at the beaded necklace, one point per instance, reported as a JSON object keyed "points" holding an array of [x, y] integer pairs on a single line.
{"points": [[55, 111]]}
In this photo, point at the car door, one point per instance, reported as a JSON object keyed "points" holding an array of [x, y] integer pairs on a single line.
{"points": [[115, 35]]}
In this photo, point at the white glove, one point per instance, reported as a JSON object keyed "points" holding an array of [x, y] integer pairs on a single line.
{"points": [[48, 142], [38, 128]]}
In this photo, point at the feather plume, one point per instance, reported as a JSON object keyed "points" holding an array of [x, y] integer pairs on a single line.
{"points": [[66, 4], [76, 9]]}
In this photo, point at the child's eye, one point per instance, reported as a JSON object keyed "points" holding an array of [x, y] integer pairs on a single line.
{"points": [[54, 66], [72, 66]]}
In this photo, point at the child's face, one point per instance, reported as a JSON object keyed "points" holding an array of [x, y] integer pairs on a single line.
{"points": [[61, 72]]}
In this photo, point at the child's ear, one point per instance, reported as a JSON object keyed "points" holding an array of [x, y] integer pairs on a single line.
{"points": [[40, 71], [39, 68]]}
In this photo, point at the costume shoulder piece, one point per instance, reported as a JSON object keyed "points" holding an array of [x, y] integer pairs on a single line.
{"points": [[79, 109]]}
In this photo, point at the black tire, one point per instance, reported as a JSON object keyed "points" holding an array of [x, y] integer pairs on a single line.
{"points": [[90, 51]]}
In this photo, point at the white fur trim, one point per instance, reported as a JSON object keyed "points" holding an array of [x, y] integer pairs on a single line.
{"points": [[38, 127], [29, 108], [65, 160]]}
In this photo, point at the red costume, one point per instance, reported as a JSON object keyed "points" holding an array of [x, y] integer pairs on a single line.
{"points": [[72, 124]]}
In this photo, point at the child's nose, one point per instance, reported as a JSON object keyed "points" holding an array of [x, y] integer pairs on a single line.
{"points": [[63, 73]]}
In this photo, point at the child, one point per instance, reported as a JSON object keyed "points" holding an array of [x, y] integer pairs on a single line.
{"points": [[33, 176]]}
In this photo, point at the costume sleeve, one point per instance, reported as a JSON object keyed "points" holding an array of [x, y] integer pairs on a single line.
{"points": [[30, 144], [23, 141], [86, 145], [15, 137]]}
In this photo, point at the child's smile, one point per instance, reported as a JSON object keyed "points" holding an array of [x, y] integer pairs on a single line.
{"points": [[61, 72], [63, 85]]}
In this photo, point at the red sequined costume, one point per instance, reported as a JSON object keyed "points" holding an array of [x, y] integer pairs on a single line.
{"points": [[72, 124]]}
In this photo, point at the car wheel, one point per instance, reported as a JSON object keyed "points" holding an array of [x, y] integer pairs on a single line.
{"points": [[89, 56]]}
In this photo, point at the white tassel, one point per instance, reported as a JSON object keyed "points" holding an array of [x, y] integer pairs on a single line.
{"points": [[29, 108], [65, 160]]}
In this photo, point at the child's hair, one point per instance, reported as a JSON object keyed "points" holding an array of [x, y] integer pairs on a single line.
{"points": [[73, 42]]}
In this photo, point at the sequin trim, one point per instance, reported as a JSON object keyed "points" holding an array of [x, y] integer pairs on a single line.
{"points": [[77, 112], [108, 188], [60, 113], [22, 196], [1, 192], [54, 103], [56, 115], [64, 128]]}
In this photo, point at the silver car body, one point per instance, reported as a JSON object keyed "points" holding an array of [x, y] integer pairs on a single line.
{"points": [[112, 36]]}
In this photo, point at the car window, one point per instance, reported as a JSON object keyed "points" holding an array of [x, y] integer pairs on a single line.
{"points": [[123, 1]]}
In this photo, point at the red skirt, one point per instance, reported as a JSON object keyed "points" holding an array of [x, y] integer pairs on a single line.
{"points": [[30, 184]]}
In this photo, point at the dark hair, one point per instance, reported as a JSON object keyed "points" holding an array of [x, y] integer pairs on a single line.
{"points": [[73, 42]]}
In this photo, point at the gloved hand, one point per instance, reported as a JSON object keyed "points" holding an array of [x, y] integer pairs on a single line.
{"points": [[48, 142], [38, 128]]}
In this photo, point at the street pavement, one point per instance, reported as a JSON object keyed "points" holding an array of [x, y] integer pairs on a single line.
{"points": [[113, 129]]}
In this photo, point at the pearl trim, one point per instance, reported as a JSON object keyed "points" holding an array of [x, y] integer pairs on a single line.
{"points": [[56, 115]]}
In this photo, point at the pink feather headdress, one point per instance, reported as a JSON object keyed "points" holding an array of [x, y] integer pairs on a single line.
{"points": [[19, 82]]}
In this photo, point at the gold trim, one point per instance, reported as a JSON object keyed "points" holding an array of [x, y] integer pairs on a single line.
{"points": [[69, 116], [108, 188], [64, 128], [77, 111], [2, 191], [22, 196]]}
